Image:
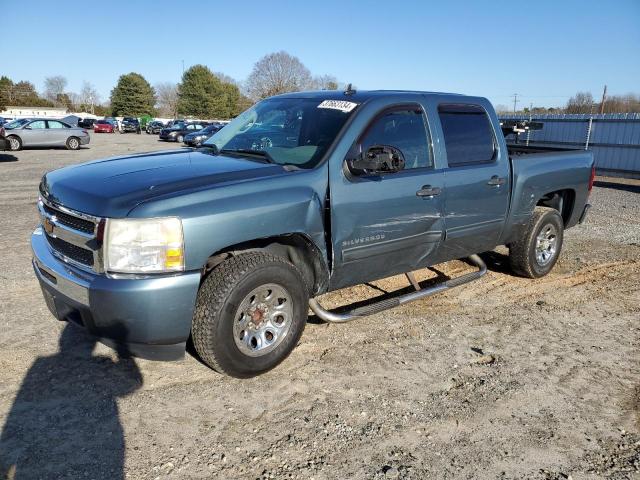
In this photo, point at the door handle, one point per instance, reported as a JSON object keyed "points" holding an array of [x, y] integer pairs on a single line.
{"points": [[428, 191], [496, 181]]}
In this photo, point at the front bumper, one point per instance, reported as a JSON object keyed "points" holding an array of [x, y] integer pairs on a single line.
{"points": [[149, 317], [85, 140]]}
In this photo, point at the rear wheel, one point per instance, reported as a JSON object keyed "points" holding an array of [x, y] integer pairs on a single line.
{"points": [[15, 143], [250, 313], [537, 251], [180, 138], [73, 143]]}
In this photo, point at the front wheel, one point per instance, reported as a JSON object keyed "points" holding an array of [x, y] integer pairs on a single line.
{"points": [[537, 251], [15, 143], [250, 313], [180, 138]]}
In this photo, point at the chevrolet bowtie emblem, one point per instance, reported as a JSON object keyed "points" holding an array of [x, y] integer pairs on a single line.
{"points": [[48, 226]]}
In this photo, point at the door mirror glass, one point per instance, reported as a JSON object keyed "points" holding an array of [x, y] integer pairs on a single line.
{"points": [[377, 159]]}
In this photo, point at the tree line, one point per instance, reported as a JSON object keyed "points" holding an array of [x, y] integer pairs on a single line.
{"points": [[201, 93], [584, 103]]}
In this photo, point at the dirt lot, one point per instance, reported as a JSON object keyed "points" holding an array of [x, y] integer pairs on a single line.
{"points": [[504, 378]]}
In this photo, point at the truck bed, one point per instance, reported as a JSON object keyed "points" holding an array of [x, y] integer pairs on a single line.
{"points": [[517, 149]]}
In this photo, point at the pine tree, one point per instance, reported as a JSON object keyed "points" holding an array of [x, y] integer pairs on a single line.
{"points": [[203, 95], [132, 96]]}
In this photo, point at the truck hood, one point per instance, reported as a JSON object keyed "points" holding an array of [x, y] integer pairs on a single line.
{"points": [[113, 187]]}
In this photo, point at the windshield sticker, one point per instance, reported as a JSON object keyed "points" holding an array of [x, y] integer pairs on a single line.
{"points": [[341, 105]]}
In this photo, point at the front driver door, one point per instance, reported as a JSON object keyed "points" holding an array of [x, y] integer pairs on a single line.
{"points": [[34, 133], [384, 224]]}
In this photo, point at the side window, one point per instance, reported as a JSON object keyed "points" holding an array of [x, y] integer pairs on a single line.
{"points": [[404, 129], [55, 124], [38, 124], [468, 136]]}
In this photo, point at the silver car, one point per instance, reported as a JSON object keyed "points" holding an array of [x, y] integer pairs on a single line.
{"points": [[42, 132]]}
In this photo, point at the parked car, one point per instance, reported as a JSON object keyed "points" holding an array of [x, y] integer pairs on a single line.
{"points": [[86, 122], [302, 194], [177, 131], [117, 126], [103, 126], [131, 124], [42, 132], [195, 139], [154, 127]]}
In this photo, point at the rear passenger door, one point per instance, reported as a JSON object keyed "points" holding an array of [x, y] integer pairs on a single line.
{"points": [[477, 180], [57, 133], [387, 223]]}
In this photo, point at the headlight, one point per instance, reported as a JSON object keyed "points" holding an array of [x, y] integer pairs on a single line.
{"points": [[143, 245], [173, 133]]}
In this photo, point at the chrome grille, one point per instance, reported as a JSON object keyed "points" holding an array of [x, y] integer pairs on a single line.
{"points": [[70, 221], [72, 235]]}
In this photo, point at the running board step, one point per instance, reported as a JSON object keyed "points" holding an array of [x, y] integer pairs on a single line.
{"points": [[382, 305]]}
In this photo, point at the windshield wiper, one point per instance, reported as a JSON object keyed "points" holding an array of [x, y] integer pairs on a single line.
{"points": [[247, 151]]}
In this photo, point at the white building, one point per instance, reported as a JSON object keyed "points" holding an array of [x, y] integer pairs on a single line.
{"points": [[28, 112]]}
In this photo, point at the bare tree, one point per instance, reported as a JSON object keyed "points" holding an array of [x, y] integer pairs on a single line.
{"points": [[54, 86], [501, 109], [581, 102], [325, 82], [89, 96], [167, 99], [277, 73], [224, 78]]}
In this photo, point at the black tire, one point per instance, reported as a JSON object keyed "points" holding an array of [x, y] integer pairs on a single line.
{"points": [[217, 308], [73, 143], [15, 143], [525, 258]]}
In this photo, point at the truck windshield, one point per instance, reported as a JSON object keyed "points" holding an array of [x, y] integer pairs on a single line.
{"points": [[289, 131]]}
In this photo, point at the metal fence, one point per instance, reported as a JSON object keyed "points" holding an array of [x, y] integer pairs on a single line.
{"points": [[614, 138]]}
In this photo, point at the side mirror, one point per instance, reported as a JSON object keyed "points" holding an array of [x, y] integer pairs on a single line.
{"points": [[378, 159], [28, 127]]}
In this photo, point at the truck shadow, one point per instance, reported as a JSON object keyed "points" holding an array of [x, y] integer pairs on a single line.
{"points": [[64, 421], [497, 262]]}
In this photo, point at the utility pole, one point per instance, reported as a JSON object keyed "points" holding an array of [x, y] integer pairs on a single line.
{"points": [[604, 99], [515, 101]]}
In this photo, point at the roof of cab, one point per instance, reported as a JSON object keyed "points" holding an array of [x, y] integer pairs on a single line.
{"points": [[359, 95]]}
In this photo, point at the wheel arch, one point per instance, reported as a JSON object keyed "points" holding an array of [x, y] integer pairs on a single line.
{"points": [[561, 200], [296, 248]]}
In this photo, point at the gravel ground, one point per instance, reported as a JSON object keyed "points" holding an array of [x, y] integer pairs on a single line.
{"points": [[503, 378]]}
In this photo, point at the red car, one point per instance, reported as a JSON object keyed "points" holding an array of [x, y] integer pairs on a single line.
{"points": [[103, 126]]}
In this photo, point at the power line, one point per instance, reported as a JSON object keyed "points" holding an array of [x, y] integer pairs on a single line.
{"points": [[515, 101]]}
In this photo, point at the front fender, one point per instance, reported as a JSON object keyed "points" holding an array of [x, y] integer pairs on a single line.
{"points": [[217, 218]]}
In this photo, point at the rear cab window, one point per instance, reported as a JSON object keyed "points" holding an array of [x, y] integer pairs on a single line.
{"points": [[468, 135]]}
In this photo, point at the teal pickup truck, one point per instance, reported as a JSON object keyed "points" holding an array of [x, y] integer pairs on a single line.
{"points": [[230, 244]]}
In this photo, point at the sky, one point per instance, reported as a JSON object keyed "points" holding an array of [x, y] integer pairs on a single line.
{"points": [[543, 50]]}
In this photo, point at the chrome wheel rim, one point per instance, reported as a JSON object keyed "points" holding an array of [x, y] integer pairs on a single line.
{"points": [[73, 143], [263, 320], [546, 245], [14, 144]]}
